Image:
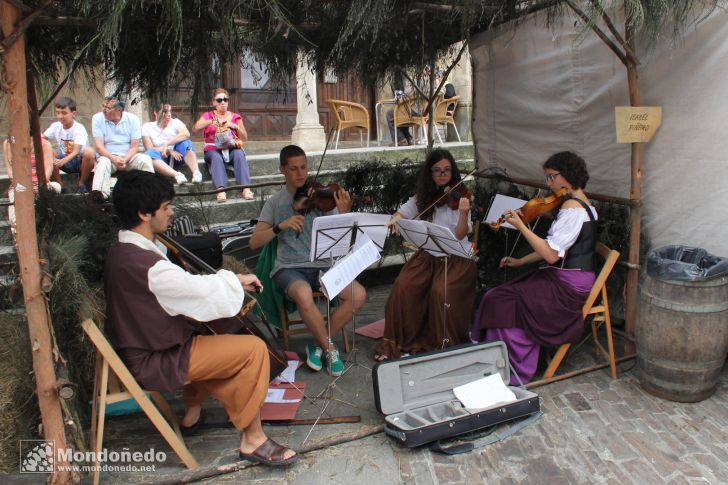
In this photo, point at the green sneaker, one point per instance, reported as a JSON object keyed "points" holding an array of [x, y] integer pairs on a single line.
{"points": [[334, 363], [313, 357]]}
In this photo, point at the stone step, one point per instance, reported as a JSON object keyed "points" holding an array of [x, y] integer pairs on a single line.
{"points": [[265, 165]]}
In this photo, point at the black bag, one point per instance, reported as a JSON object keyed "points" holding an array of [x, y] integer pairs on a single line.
{"points": [[416, 393], [206, 246]]}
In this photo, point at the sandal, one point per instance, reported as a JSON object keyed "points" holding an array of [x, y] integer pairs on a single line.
{"points": [[269, 453], [190, 430], [221, 197], [380, 357], [248, 194]]}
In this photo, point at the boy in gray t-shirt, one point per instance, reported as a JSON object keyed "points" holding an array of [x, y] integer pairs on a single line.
{"points": [[293, 273]]}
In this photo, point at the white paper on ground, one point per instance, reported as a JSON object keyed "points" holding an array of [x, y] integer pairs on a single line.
{"points": [[484, 393], [276, 396], [289, 373]]}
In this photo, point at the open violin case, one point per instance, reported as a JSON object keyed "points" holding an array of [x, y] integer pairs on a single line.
{"points": [[416, 393]]}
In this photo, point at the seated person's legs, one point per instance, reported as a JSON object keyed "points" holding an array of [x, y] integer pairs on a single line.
{"points": [[189, 157], [140, 161], [234, 369], [298, 284], [88, 160], [215, 162], [102, 176]]}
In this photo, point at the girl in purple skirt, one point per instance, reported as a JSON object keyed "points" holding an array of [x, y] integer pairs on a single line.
{"points": [[543, 306]]}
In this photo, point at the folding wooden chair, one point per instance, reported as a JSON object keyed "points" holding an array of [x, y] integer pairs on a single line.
{"points": [[295, 326], [599, 308], [106, 392]]}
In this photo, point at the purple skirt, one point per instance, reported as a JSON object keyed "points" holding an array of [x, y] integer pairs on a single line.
{"points": [[546, 308]]}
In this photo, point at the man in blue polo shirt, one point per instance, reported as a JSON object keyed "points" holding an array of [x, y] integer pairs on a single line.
{"points": [[116, 136]]}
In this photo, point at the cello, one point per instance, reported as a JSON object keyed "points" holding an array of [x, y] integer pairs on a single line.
{"points": [[278, 359]]}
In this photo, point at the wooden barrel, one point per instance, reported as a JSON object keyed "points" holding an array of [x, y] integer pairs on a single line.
{"points": [[682, 337]]}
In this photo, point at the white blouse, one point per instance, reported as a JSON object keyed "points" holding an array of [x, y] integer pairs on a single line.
{"points": [[566, 228], [442, 216]]}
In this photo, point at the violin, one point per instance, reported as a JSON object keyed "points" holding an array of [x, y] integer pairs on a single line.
{"points": [[536, 207], [452, 196], [319, 196]]}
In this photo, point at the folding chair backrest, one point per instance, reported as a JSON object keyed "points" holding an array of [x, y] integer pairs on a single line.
{"points": [[610, 257]]}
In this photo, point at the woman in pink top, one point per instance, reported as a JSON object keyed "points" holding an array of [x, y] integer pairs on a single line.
{"points": [[221, 126]]}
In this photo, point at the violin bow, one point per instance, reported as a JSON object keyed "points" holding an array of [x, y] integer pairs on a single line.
{"points": [[473, 172], [321, 162]]}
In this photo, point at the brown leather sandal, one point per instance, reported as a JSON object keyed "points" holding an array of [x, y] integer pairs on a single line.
{"points": [[269, 453]]}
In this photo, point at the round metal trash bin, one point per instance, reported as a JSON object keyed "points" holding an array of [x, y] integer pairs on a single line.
{"points": [[682, 337]]}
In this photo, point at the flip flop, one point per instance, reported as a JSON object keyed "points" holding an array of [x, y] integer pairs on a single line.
{"points": [[269, 453], [190, 430]]}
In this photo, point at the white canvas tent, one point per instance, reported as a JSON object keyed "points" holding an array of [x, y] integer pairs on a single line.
{"points": [[538, 90]]}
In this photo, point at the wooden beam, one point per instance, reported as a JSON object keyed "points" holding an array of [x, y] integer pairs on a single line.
{"points": [[22, 26], [27, 246]]}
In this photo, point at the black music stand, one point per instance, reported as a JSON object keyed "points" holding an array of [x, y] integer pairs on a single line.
{"points": [[336, 236], [340, 236], [439, 241]]}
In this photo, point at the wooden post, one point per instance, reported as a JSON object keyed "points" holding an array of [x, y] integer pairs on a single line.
{"points": [[27, 247], [635, 195], [35, 132]]}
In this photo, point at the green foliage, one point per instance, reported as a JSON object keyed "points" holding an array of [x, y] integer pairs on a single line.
{"points": [[150, 45], [75, 240]]}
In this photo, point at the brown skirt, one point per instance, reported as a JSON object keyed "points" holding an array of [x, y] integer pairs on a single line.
{"points": [[414, 315]]}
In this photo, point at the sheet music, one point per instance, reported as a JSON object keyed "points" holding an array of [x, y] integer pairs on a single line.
{"points": [[432, 237], [502, 203], [337, 278], [331, 235], [484, 393]]}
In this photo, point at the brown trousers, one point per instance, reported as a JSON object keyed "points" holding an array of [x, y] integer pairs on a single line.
{"points": [[414, 318], [233, 369]]}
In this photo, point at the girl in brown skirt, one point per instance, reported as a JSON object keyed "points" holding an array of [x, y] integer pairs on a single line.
{"points": [[414, 316]]}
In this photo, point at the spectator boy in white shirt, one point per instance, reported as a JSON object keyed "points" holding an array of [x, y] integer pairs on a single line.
{"points": [[74, 155]]}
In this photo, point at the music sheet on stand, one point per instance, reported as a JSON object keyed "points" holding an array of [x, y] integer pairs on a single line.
{"points": [[423, 234], [333, 233], [363, 255], [501, 204]]}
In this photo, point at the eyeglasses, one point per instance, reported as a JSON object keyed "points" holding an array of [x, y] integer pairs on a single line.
{"points": [[444, 171], [551, 176], [222, 100]]}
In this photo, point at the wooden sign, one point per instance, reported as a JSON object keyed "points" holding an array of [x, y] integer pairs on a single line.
{"points": [[637, 124]]}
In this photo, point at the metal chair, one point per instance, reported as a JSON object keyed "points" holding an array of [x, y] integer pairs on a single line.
{"points": [[107, 391], [445, 116], [349, 115], [599, 309]]}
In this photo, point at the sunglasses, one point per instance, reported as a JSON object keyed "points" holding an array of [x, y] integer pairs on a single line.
{"points": [[222, 100]]}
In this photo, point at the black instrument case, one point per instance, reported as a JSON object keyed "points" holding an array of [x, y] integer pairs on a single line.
{"points": [[416, 393]]}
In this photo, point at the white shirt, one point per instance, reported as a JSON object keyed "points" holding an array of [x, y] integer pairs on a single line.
{"points": [[67, 138], [566, 228], [442, 216], [117, 137], [161, 136], [200, 297]]}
